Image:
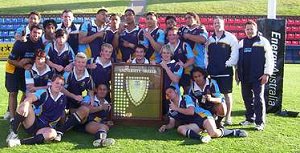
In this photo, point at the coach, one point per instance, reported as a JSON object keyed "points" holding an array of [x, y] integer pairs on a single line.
{"points": [[255, 65]]}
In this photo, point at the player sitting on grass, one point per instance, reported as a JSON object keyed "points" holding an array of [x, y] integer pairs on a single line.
{"points": [[41, 126], [97, 122], [194, 119]]}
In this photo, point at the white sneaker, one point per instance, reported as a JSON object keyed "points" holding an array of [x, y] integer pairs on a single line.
{"points": [[58, 137], [259, 127], [13, 142], [205, 139], [11, 135], [104, 142], [228, 122], [245, 123], [6, 116]]}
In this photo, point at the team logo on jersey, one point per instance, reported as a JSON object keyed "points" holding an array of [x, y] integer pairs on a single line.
{"points": [[137, 89], [82, 84]]}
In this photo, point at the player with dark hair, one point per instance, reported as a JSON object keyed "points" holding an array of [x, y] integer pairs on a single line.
{"points": [[41, 126], [170, 22], [34, 18], [39, 76], [205, 92], [255, 66], [155, 36], [128, 36], [97, 122], [49, 31], [139, 54], [60, 55], [20, 59], [194, 119], [222, 55], [92, 34], [195, 34], [71, 28]]}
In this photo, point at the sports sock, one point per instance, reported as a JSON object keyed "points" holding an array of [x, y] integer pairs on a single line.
{"points": [[101, 134], [193, 135], [16, 122], [227, 132], [37, 139]]}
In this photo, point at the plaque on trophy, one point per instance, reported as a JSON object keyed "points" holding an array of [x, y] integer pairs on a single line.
{"points": [[136, 92]]}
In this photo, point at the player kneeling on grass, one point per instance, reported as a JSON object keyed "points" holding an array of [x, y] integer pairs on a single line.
{"points": [[194, 119], [53, 104], [97, 123]]}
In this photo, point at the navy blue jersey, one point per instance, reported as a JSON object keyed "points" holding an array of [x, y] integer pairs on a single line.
{"points": [[198, 48], [73, 32], [92, 49], [64, 58], [52, 109], [255, 59], [177, 70], [22, 50], [211, 87], [135, 36], [38, 79], [100, 115], [219, 51], [77, 86], [185, 101], [102, 73]]}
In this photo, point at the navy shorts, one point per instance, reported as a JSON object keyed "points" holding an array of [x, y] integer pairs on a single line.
{"points": [[72, 103], [185, 80], [38, 124], [224, 83], [15, 82]]}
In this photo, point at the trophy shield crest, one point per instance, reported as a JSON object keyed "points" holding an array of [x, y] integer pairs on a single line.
{"points": [[137, 89]]}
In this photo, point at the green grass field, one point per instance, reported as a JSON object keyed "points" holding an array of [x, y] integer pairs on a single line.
{"points": [[239, 7], [280, 135]]}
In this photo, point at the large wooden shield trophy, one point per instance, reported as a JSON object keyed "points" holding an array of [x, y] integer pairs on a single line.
{"points": [[136, 92]]}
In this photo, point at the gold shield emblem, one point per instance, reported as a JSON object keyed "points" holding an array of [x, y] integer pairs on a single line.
{"points": [[137, 89]]}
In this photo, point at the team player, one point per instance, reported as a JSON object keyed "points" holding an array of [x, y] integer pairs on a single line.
{"points": [[49, 31], [98, 123], [170, 22], [139, 54], [196, 36], [194, 119], [100, 67], [92, 34], [21, 58], [205, 92], [71, 28], [59, 53], [41, 127], [77, 82], [39, 76], [255, 65], [155, 36], [129, 35], [222, 55], [34, 18], [183, 55], [114, 24], [172, 73]]}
